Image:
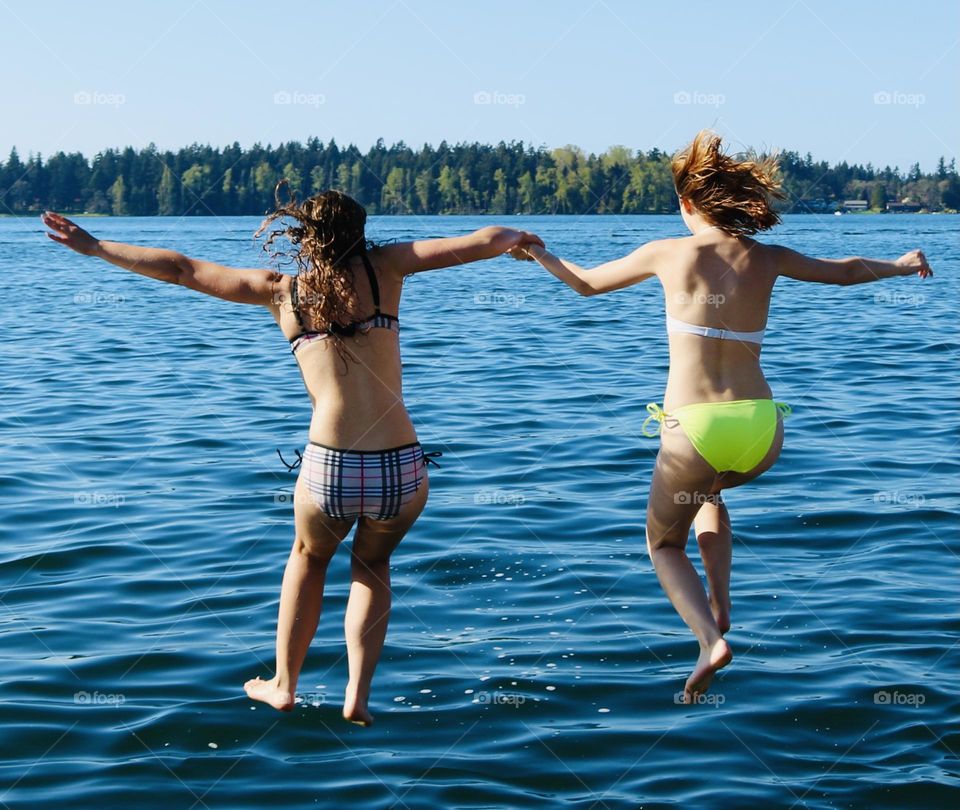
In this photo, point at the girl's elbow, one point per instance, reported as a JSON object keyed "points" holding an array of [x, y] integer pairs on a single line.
{"points": [[855, 272], [180, 270]]}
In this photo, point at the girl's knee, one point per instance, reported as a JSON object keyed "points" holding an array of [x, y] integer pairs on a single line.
{"points": [[312, 552], [660, 539], [664, 543], [371, 559]]}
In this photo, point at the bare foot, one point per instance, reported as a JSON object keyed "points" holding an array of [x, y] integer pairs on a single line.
{"points": [[711, 659], [355, 709], [268, 692], [721, 613]]}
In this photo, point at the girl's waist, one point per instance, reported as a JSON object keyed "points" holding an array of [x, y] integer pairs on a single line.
{"points": [[361, 429], [679, 394]]}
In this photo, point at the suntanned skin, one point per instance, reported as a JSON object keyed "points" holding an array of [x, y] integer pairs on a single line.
{"points": [[358, 406], [709, 278]]}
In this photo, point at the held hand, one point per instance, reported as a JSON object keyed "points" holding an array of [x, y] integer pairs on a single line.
{"points": [[915, 262], [68, 233], [506, 239], [528, 251]]}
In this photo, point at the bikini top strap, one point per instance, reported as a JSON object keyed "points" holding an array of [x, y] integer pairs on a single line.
{"points": [[372, 278], [295, 301]]}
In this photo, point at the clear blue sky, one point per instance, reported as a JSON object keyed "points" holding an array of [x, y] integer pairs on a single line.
{"points": [[792, 74]]}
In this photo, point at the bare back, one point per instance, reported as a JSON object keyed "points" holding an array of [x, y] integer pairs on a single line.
{"points": [[357, 396], [718, 281]]}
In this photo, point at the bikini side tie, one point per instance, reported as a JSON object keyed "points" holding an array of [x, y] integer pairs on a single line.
{"points": [[657, 414], [428, 458], [297, 463]]}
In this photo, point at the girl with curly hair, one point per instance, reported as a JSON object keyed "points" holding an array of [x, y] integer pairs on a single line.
{"points": [[363, 466]]}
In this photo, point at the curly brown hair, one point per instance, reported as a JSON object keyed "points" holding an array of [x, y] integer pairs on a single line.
{"points": [[327, 229], [735, 194]]}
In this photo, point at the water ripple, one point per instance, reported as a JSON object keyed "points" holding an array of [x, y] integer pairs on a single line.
{"points": [[532, 659]]}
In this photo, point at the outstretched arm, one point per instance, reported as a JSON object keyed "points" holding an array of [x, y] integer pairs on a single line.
{"points": [[852, 270], [638, 266], [433, 254], [240, 286]]}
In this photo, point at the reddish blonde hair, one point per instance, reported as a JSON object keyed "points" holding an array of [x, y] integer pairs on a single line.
{"points": [[734, 194]]}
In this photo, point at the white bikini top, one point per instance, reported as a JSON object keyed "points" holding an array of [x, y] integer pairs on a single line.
{"points": [[674, 325]]}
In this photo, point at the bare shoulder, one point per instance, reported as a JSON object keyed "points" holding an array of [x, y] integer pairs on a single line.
{"points": [[280, 299], [392, 258], [777, 252], [783, 260], [668, 254], [661, 246], [284, 283], [658, 252]]}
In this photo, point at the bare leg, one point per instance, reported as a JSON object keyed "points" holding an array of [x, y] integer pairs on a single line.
{"points": [[365, 628], [712, 528], [682, 585], [680, 581], [301, 598], [680, 481], [368, 608]]}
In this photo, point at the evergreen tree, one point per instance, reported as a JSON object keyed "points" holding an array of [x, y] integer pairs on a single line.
{"points": [[118, 197], [167, 203], [425, 192], [391, 198], [460, 178]]}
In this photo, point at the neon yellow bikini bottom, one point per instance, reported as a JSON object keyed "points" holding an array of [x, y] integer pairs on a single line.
{"points": [[731, 436]]}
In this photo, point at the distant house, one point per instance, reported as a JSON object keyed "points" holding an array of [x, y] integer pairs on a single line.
{"points": [[811, 206], [903, 207], [854, 205]]}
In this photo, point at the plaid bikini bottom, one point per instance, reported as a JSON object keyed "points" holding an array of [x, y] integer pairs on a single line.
{"points": [[348, 484]]}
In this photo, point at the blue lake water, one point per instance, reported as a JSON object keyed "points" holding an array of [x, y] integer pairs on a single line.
{"points": [[532, 659]]}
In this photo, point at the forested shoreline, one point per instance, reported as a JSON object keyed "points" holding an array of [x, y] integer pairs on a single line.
{"points": [[466, 178]]}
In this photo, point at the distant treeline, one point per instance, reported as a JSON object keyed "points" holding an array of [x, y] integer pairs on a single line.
{"points": [[465, 178]]}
